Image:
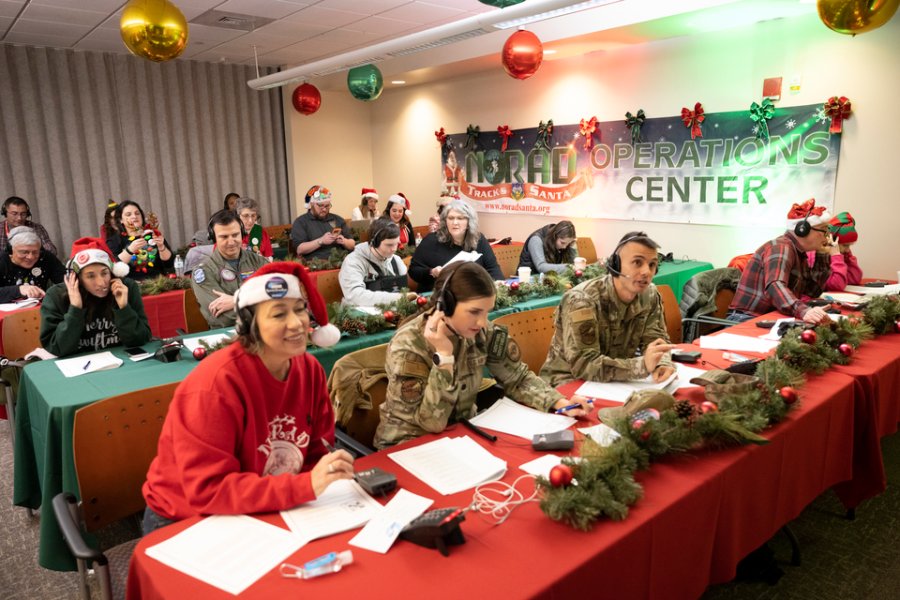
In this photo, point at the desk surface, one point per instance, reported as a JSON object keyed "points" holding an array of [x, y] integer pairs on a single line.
{"points": [[701, 513]]}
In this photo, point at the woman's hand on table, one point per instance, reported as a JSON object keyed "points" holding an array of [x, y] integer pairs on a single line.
{"points": [[330, 468]]}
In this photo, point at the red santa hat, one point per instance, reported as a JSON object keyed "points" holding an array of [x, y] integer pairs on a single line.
{"points": [[288, 280], [369, 193], [94, 251], [401, 199], [814, 215]]}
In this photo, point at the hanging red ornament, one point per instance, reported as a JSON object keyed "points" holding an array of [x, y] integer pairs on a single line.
{"points": [[505, 133], [693, 119], [199, 353], [560, 475], [421, 300], [838, 109], [846, 350], [306, 99], [788, 394], [587, 129], [709, 407], [522, 54], [808, 336]]}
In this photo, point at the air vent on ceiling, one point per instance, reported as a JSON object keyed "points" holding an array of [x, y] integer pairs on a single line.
{"points": [[230, 20]]}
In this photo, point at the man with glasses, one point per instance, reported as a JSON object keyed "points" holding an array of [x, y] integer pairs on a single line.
{"points": [[18, 214], [27, 270], [779, 275], [317, 232]]}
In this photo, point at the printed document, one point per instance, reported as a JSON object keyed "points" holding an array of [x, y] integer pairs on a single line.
{"points": [[451, 465], [738, 343], [380, 533], [511, 417], [344, 505], [619, 391], [88, 363]]}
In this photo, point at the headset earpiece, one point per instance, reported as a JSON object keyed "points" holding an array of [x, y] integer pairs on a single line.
{"points": [[244, 321], [212, 234], [446, 300], [803, 228], [613, 263]]}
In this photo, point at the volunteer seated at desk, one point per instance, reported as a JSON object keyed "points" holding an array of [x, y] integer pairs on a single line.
{"points": [[372, 274], [95, 307], [27, 270], [318, 232], [245, 430], [436, 359], [220, 274], [845, 268], [602, 324], [550, 248]]}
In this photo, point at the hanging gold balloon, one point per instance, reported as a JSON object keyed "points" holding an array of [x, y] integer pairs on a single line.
{"points": [[154, 29], [856, 16]]}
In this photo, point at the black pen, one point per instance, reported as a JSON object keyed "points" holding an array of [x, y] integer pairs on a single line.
{"points": [[328, 446], [478, 430]]}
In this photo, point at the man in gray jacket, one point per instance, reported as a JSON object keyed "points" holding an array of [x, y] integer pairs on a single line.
{"points": [[372, 274]]}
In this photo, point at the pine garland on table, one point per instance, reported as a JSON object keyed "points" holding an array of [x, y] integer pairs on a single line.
{"points": [[334, 260], [162, 284], [356, 323], [883, 314]]}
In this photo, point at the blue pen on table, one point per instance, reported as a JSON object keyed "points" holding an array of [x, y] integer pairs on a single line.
{"points": [[560, 411], [86, 365]]}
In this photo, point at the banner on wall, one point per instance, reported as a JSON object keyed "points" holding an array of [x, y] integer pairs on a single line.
{"points": [[726, 177]]}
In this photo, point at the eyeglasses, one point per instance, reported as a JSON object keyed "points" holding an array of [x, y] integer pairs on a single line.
{"points": [[825, 231]]}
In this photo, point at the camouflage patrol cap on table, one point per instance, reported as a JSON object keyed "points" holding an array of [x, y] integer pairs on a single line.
{"points": [[638, 401], [717, 383]]}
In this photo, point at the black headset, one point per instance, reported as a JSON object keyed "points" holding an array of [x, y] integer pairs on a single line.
{"points": [[803, 228], [446, 299], [15, 200], [216, 215], [614, 262]]}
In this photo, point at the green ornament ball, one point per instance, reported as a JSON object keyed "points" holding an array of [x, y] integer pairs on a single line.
{"points": [[365, 82]]}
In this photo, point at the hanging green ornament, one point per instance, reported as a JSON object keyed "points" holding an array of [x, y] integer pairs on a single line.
{"points": [[501, 3], [365, 82]]}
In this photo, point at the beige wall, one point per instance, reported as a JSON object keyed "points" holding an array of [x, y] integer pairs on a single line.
{"points": [[723, 70]]}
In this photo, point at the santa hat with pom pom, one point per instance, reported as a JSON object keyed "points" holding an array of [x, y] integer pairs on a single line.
{"points": [[401, 199], [94, 251], [288, 280]]}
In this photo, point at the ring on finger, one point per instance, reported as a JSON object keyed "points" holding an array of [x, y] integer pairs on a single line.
{"points": [[331, 468]]}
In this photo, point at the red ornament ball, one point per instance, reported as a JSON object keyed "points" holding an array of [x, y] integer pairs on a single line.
{"points": [[846, 350], [579, 273], [421, 301], [389, 316], [637, 424], [788, 394], [514, 286], [306, 99], [896, 326], [808, 336], [560, 475], [522, 54], [708, 407], [200, 353]]}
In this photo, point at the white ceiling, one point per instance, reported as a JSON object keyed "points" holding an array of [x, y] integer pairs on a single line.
{"points": [[307, 30]]}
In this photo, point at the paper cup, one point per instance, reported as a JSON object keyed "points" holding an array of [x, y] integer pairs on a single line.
{"points": [[580, 262], [524, 273]]}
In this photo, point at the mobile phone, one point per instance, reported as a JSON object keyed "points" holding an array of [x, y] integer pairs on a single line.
{"points": [[336, 231], [135, 351], [685, 356], [765, 324], [875, 284]]}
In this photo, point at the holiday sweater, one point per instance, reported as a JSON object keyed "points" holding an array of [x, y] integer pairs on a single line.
{"points": [[236, 440], [146, 264], [45, 272], [258, 241], [65, 330]]}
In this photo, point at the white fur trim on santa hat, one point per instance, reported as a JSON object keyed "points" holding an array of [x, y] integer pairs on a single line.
{"points": [[94, 256], [813, 220], [325, 336], [272, 286]]}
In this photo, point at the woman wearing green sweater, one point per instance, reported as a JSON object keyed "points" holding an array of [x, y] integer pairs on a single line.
{"points": [[95, 307]]}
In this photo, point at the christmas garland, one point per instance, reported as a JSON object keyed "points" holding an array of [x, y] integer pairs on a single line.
{"points": [[355, 323], [605, 475], [163, 284], [334, 260]]}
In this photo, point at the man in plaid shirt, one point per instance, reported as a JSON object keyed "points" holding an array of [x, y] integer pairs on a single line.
{"points": [[779, 275]]}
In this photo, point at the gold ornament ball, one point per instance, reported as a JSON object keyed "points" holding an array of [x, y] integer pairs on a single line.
{"points": [[154, 29], [856, 16]]}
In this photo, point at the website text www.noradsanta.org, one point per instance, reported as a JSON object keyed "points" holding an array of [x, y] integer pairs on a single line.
{"points": [[516, 207]]}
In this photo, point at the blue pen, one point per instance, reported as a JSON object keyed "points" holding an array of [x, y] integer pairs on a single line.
{"points": [[86, 365], [560, 411]]}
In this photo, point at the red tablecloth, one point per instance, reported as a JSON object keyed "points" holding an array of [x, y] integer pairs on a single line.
{"points": [[701, 513]]}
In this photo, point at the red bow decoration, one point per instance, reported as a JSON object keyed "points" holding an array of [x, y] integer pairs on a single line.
{"points": [[505, 133], [693, 119], [587, 130], [838, 108], [808, 208], [441, 136]]}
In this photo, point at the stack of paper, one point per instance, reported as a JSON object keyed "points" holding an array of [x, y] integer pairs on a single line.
{"points": [[344, 505], [88, 363], [228, 552], [738, 343], [619, 391], [464, 256], [451, 465], [887, 290], [8, 306], [511, 417], [601, 433]]}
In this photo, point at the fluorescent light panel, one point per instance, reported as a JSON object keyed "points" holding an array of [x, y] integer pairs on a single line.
{"points": [[558, 12]]}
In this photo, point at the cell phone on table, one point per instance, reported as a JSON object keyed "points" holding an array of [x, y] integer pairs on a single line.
{"points": [[875, 284], [135, 351], [766, 324]]}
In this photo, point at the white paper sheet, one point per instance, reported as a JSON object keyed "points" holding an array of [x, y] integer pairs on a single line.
{"points": [[842, 297], [464, 256], [9, 306], [380, 533], [228, 552], [738, 343], [194, 343], [685, 374], [451, 465], [772, 334], [887, 290], [88, 363], [600, 433], [619, 391], [511, 417], [344, 505]]}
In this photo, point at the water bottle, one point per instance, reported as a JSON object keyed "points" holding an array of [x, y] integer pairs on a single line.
{"points": [[418, 238], [179, 265]]}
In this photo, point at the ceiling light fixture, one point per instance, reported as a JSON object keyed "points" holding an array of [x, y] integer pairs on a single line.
{"points": [[474, 26]]}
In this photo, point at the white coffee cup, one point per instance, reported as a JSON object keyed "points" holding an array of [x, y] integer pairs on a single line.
{"points": [[580, 262], [524, 274]]}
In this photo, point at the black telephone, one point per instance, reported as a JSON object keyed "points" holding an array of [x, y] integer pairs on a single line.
{"points": [[437, 529]]}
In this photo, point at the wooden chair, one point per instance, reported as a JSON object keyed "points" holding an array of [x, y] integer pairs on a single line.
{"points": [[422, 230], [533, 331], [329, 286], [507, 258], [672, 313], [21, 332], [193, 318], [114, 441], [411, 283], [278, 231], [586, 249], [723, 301]]}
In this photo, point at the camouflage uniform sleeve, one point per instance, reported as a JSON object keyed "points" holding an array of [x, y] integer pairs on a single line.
{"points": [[204, 281], [656, 328], [581, 322], [505, 364]]}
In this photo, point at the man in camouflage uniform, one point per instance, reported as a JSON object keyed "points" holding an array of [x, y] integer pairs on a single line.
{"points": [[613, 328], [434, 372], [220, 275]]}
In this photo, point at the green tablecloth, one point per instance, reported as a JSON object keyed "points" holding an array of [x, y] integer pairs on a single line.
{"points": [[676, 274]]}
